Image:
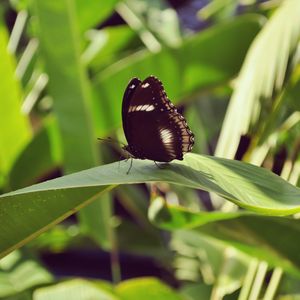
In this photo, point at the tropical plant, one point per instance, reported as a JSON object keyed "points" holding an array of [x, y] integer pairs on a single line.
{"points": [[219, 224]]}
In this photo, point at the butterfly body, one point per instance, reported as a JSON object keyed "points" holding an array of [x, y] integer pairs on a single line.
{"points": [[153, 128]]}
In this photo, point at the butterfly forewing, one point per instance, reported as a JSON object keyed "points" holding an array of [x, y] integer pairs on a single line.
{"points": [[131, 87], [153, 127]]}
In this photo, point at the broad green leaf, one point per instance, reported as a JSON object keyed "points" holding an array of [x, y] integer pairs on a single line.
{"points": [[96, 220], [262, 74], [93, 12], [18, 274], [144, 239], [77, 289], [197, 64], [38, 158], [249, 233], [70, 90], [269, 239], [193, 115], [183, 196], [176, 217], [68, 83], [139, 240], [60, 238], [205, 116], [15, 130], [27, 212], [147, 289], [129, 289], [20, 4]]}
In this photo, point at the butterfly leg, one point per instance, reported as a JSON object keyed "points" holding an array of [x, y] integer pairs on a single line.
{"points": [[131, 159], [120, 158], [158, 165]]}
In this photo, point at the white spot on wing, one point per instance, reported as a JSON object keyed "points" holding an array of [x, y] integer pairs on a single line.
{"points": [[145, 107], [166, 135], [145, 85], [150, 108]]}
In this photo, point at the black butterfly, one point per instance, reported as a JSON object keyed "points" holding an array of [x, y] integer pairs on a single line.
{"points": [[153, 128]]}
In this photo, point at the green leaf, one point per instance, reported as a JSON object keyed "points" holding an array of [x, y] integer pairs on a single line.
{"points": [[77, 289], [193, 114], [108, 45], [93, 12], [195, 65], [38, 158], [146, 289], [20, 4], [263, 72], [96, 220], [176, 217], [200, 258], [129, 289], [15, 130], [196, 290], [68, 83], [255, 236], [246, 231], [70, 90], [18, 274], [47, 203], [139, 240]]}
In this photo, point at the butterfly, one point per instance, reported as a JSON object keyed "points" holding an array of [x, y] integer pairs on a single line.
{"points": [[153, 127]]}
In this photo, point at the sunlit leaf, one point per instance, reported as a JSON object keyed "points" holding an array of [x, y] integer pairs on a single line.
{"points": [[15, 131], [77, 289], [255, 236], [155, 21], [201, 258], [48, 203], [263, 72], [147, 289], [70, 90], [249, 233]]}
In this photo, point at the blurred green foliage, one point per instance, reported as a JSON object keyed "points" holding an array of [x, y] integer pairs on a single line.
{"points": [[64, 67]]}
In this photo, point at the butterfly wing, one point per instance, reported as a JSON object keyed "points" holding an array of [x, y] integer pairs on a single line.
{"points": [[153, 127], [131, 87]]}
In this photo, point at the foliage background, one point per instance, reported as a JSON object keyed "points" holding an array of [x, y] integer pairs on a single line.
{"points": [[232, 67]]}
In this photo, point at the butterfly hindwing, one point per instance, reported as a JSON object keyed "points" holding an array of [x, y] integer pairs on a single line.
{"points": [[153, 127]]}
